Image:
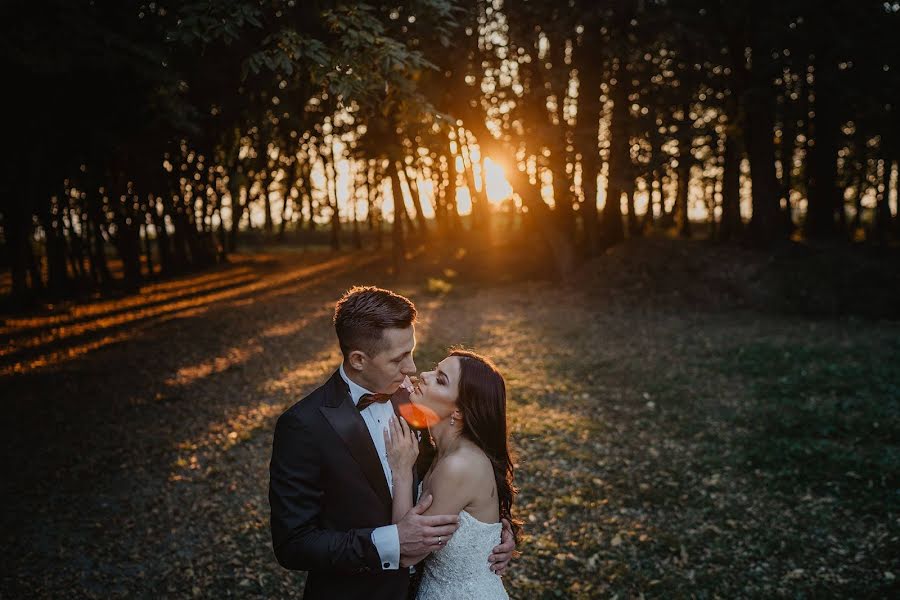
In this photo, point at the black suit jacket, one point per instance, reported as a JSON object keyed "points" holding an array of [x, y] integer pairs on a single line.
{"points": [[327, 493]]}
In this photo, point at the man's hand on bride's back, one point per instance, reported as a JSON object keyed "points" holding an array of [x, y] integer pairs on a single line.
{"points": [[421, 535], [501, 555]]}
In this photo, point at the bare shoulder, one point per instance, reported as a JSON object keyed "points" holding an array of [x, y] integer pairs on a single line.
{"points": [[463, 480], [468, 464]]}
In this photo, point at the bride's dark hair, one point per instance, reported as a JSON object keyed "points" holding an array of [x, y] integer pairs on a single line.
{"points": [[482, 401]]}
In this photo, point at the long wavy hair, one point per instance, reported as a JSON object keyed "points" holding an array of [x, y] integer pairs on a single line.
{"points": [[482, 401]]}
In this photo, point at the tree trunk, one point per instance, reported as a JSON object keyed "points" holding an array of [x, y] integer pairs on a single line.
{"points": [[267, 204], [562, 184], [587, 133], [128, 246], [759, 104], [98, 247], [421, 222], [235, 186], [17, 235], [148, 251], [611, 228], [478, 197], [683, 172], [398, 246], [371, 192], [730, 223], [162, 237], [858, 185], [354, 200], [330, 186], [824, 196], [649, 219], [882, 208], [786, 148], [57, 270]]}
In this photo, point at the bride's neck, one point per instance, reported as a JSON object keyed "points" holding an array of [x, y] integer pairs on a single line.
{"points": [[446, 438]]}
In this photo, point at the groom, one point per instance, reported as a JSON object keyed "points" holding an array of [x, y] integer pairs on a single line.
{"points": [[330, 484]]}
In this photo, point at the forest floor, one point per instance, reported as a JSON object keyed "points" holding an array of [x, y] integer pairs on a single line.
{"points": [[681, 430]]}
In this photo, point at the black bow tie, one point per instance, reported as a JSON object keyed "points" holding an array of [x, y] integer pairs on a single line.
{"points": [[368, 399]]}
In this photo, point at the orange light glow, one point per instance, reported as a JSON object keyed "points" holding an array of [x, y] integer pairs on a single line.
{"points": [[419, 417]]}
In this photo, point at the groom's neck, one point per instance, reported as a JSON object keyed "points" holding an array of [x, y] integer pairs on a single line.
{"points": [[357, 378]]}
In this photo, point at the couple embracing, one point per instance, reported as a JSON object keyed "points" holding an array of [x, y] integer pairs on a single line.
{"points": [[377, 479]]}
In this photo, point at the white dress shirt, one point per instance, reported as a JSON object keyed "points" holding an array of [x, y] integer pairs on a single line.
{"points": [[376, 416]]}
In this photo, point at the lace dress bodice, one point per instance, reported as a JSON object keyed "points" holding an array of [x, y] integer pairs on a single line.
{"points": [[460, 571]]}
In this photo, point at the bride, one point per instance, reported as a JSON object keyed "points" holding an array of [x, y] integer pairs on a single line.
{"points": [[472, 473]]}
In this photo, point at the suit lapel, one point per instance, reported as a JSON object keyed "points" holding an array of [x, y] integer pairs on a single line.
{"points": [[346, 421]]}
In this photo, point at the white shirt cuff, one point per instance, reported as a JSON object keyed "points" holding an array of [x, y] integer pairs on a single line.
{"points": [[387, 542]]}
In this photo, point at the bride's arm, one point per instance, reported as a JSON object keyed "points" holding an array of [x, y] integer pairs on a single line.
{"points": [[402, 450]]}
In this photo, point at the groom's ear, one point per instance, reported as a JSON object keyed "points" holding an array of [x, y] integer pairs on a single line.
{"points": [[357, 359]]}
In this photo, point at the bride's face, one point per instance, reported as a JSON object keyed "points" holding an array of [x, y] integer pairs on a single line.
{"points": [[438, 390]]}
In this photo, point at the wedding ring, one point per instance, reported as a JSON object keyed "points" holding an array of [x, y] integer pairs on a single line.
{"points": [[440, 540]]}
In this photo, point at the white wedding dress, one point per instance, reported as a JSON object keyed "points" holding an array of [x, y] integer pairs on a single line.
{"points": [[460, 571]]}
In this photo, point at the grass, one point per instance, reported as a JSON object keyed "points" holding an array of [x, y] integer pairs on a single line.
{"points": [[665, 448]]}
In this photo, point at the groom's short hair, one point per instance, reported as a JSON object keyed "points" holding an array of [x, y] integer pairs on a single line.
{"points": [[363, 313]]}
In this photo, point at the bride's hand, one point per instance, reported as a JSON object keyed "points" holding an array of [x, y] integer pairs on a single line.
{"points": [[402, 446]]}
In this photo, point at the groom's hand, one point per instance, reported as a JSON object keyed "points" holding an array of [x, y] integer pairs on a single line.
{"points": [[420, 535], [501, 555]]}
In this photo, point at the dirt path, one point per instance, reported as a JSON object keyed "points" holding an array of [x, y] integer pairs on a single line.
{"points": [[138, 436]]}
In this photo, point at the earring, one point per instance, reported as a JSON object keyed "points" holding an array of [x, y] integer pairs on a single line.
{"points": [[452, 422]]}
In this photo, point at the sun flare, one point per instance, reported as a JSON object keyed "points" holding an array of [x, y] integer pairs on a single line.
{"points": [[498, 188]]}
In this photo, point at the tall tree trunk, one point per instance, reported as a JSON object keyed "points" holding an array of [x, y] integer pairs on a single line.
{"points": [[331, 190], [128, 246], [759, 105], [630, 193], [587, 144], [99, 263], [709, 197], [400, 202], [649, 219], [76, 255], [57, 278], [265, 181], [786, 146], [354, 201], [562, 184], [730, 224], [371, 193], [162, 236], [478, 196], [683, 172], [611, 228], [882, 208], [858, 184], [17, 235], [398, 245], [824, 197], [148, 250], [180, 235], [284, 213], [236, 185], [413, 184], [441, 179]]}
